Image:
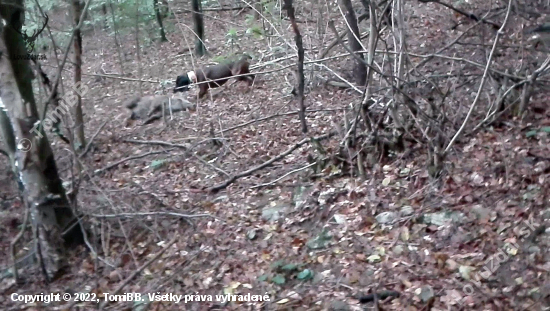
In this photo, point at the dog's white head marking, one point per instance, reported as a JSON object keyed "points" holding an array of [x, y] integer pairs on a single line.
{"points": [[192, 76]]}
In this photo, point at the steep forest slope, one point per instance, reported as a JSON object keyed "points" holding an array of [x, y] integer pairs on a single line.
{"points": [[326, 221]]}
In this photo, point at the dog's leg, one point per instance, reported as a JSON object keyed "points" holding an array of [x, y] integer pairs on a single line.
{"points": [[241, 68], [251, 79], [250, 82], [203, 89]]}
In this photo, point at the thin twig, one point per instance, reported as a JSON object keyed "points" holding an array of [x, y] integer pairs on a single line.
{"points": [[108, 167], [225, 9], [483, 78], [273, 116], [155, 142], [269, 162], [58, 77], [14, 241], [119, 78], [217, 169], [282, 177], [471, 16], [139, 270], [144, 214], [92, 140]]}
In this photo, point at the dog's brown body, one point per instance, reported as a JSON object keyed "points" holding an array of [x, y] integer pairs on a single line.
{"points": [[216, 76]]}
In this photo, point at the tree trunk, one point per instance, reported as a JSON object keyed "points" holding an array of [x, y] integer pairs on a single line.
{"points": [[79, 118], [199, 27], [104, 12], [360, 69], [138, 53], [120, 59], [300, 46], [259, 8], [156, 5], [54, 224]]}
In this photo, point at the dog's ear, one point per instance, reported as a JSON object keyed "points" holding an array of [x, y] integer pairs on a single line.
{"points": [[240, 67], [181, 82]]}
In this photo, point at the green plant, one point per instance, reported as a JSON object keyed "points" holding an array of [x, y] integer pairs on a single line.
{"points": [[255, 31], [281, 271], [157, 164], [232, 36], [532, 133], [219, 59], [249, 20]]}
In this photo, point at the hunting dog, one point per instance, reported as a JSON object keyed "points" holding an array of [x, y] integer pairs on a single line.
{"points": [[215, 76]]}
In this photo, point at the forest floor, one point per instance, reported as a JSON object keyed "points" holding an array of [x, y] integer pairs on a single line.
{"points": [[471, 240]]}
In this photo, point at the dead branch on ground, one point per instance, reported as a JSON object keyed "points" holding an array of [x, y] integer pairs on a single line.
{"points": [[269, 162]]}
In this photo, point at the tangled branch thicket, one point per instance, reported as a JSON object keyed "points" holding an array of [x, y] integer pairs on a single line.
{"points": [[425, 86]]}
